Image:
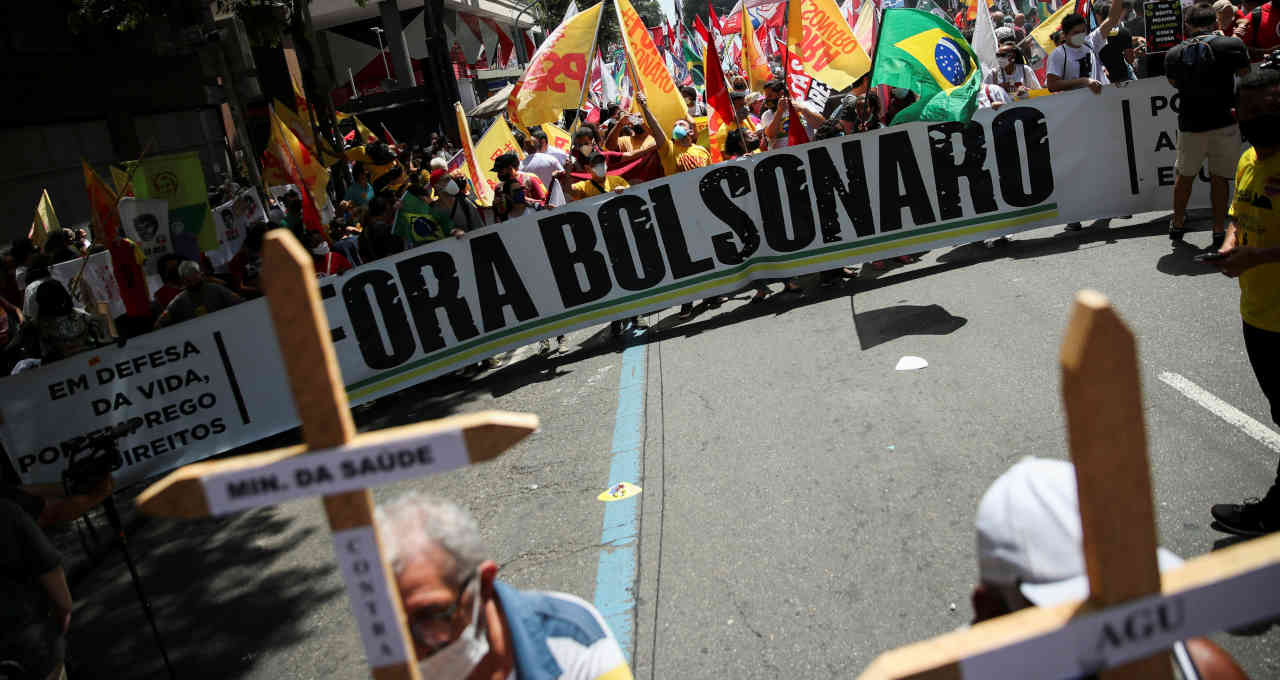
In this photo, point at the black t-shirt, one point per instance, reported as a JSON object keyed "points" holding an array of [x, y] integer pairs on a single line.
{"points": [[27, 554], [1112, 54], [1207, 100]]}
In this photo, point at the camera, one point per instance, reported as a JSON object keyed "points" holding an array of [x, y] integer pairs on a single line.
{"points": [[95, 456]]}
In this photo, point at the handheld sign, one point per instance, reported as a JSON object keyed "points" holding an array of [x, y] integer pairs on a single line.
{"points": [[1164, 24], [1134, 613], [339, 466]]}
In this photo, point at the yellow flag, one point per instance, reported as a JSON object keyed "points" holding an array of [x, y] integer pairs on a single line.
{"points": [[650, 70], [484, 192], [753, 62], [820, 38], [46, 220], [557, 137], [1046, 28], [557, 72], [288, 161], [495, 141]]}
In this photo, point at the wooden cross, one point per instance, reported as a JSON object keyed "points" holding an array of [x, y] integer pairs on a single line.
{"points": [[339, 465], [1134, 613]]}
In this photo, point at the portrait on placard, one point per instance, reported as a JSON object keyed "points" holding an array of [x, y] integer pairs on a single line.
{"points": [[146, 222]]}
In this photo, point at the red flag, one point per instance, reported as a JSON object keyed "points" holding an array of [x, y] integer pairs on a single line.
{"points": [[715, 22], [702, 30], [720, 111], [795, 128], [473, 23], [286, 152], [102, 206], [529, 47], [1083, 7], [659, 36], [506, 47]]}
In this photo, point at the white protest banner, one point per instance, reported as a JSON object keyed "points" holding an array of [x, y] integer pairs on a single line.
{"points": [[233, 219], [97, 275], [146, 222], [404, 319], [192, 400]]}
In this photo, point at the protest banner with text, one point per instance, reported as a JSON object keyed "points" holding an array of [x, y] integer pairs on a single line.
{"points": [[404, 319]]}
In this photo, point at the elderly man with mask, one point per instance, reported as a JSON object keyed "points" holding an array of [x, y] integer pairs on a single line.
{"points": [[1030, 554], [467, 624]]}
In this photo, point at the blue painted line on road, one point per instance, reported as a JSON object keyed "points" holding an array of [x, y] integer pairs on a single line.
{"points": [[619, 536]]}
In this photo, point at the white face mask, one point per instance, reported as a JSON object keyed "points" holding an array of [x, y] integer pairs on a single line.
{"points": [[450, 188], [586, 149], [1076, 40], [457, 659], [599, 169], [321, 249], [1004, 62]]}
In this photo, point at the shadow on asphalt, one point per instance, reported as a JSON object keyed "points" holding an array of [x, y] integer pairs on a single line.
{"points": [[218, 598], [1180, 262], [878, 326]]}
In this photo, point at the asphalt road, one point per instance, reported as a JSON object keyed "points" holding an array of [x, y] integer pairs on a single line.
{"points": [[805, 506]]}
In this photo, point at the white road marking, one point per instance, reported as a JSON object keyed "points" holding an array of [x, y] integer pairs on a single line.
{"points": [[1265, 435]]}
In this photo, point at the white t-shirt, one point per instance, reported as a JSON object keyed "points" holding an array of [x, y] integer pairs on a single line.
{"points": [[990, 94], [544, 165], [1021, 74], [781, 140], [1069, 63]]}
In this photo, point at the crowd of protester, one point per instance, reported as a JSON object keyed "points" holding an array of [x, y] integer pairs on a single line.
{"points": [[624, 147]]}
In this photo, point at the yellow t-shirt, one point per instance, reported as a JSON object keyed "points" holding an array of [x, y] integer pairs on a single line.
{"points": [[676, 159], [1256, 211], [627, 144], [586, 188]]}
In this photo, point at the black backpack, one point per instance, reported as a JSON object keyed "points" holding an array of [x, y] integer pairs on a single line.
{"points": [[1196, 67]]}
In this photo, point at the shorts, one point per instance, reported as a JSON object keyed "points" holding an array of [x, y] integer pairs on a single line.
{"points": [[1221, 147]]}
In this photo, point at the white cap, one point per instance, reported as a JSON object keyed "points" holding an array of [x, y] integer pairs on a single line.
{"points": [[1029, 533]]}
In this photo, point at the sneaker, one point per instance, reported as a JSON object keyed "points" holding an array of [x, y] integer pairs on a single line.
{"points": [[1074, 226], [686, 311], [544, 346], [1218, 238], [559, 343], [1251, 518]]}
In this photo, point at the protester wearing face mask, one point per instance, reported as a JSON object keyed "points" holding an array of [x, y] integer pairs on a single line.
{"points": [[678, 153], [1203, 68], [326, 261], [1252, 249], [1013, 75], [637, 147], [777, 113], [465, 624], [452, 208], [516, 191], [1077, 63]]}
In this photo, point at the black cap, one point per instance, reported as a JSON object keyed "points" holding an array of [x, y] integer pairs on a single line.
{"points": [[597, 156], [509, 159]]}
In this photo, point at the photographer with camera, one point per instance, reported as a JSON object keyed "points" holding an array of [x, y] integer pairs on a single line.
{"points": [[33, 584]]}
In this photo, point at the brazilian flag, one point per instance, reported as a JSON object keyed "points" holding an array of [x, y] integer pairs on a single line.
{"points": [[417, 223], [924, 53], [693, 61]]}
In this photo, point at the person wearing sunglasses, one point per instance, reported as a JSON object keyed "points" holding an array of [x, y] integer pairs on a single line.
{"points": [[467, 624], [1012, 74]]}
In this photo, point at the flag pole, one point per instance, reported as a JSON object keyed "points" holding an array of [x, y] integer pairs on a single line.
{"points": [[586, 72]]}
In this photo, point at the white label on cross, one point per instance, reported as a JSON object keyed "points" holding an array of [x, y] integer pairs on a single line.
{"points": [[370, 595], [331, 471], [1134, 630]]}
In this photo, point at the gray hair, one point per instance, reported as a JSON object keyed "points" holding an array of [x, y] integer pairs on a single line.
{"points": [[189, 270], [410, 525]]}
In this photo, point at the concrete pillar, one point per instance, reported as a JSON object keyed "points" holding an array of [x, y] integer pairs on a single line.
{"points": [[394, 35]]}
